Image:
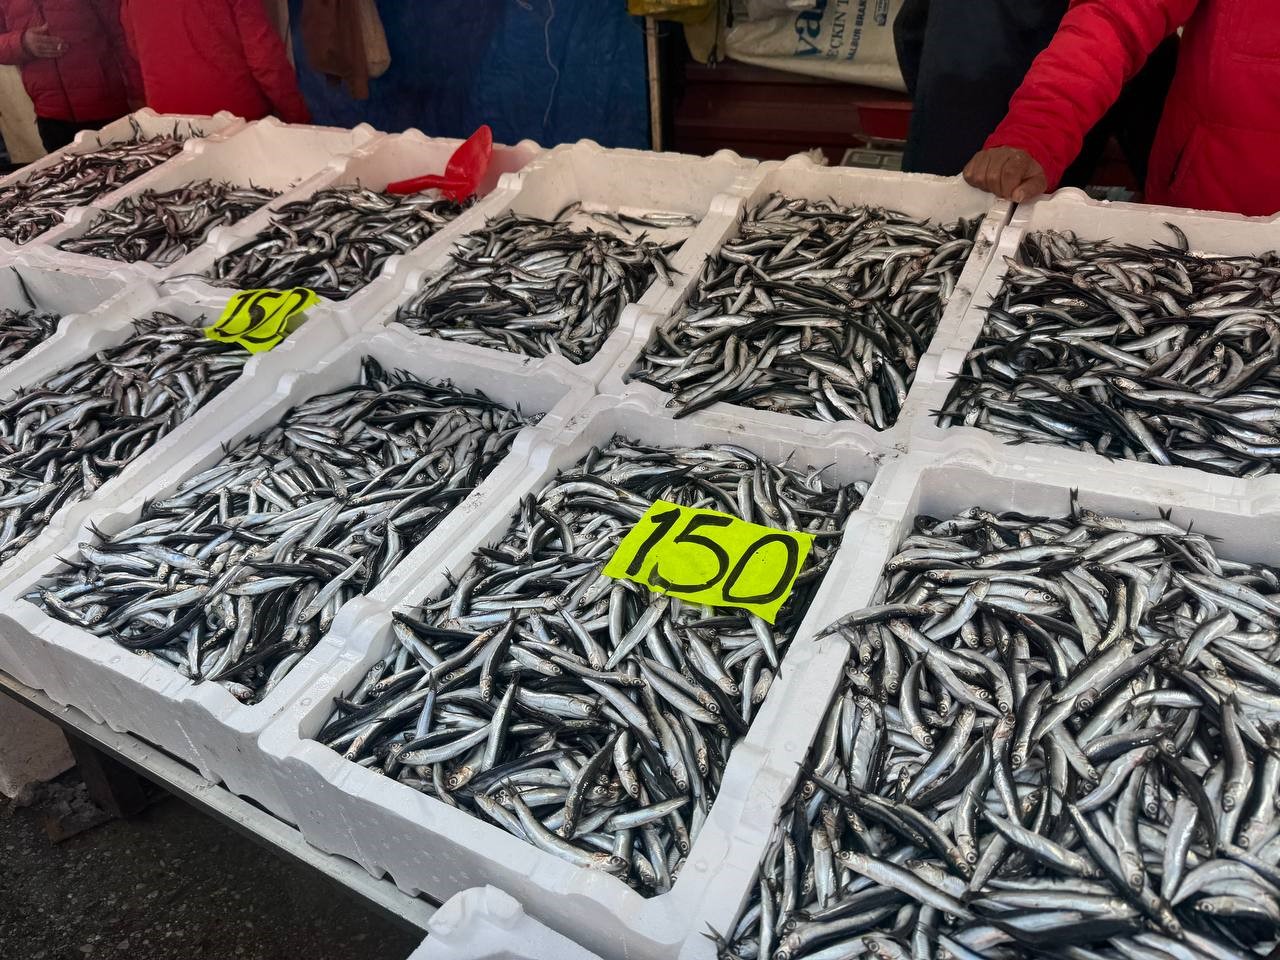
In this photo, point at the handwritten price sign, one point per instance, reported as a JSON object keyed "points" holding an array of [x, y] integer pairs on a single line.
{"points": [[260, 319], [711, 558]]}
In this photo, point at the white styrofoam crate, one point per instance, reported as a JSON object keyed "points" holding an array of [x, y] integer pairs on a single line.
{"points": [[484, 923], [956, 476], [628, 181], [940, 199], [151, 124], [79, 338], [1215, 233], [202, 723], [267, 153], [59, 292], [76, 337], [427, 846], [381, 161]]}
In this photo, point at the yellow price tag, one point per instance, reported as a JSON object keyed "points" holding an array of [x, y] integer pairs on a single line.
{"points": [[711, 558], [260, 319]]}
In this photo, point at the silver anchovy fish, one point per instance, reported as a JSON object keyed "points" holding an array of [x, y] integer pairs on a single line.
{"points": [[162, 228], [812, 309], [1154, 354], [62, 439], [584, 714], [21, 331], [1054, 736], [37, 202], [238, 573], [540, 287], [334, 241]]}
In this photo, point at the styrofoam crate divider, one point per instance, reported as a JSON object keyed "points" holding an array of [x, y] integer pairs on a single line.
{"points": [[202, 723], [80, 338], [940, 199], [1070, 209], [428, 846], [381, 161], [266, 153], [953, 478], [218, 126], [628, 181], [484, 923]]}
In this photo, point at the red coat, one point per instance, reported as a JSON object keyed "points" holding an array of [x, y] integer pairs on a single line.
{"points": [[1219, 138], [202, 56], [94, 79]]}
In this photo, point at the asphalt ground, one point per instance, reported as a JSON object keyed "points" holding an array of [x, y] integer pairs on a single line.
{"points": [[168, 884]]}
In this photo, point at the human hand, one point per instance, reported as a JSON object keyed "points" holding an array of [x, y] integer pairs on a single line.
{"points": [[38, 42], [1007, 172]]}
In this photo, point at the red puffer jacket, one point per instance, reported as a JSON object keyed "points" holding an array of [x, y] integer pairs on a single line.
{"points": [[1220, 135], [94, 79], [202, 56]]}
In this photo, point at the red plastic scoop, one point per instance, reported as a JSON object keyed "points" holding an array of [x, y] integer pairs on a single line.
{"points": [[462, 174]]}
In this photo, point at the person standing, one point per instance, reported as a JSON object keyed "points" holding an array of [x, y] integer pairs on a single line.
{"points": [[1220, 130], [202, 56], [76, 66]]}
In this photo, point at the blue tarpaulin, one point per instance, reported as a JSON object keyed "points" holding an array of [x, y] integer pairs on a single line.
{"points": [[549, 70]]}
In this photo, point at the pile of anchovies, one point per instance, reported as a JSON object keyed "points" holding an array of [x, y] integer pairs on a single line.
{"points": [[62, 439], [540, 287], [37, 202], [164, 227], [1054, 737], [813, 309], [238, 573], [586, 715], [21, 331], [334, 241], [1160, 355]]}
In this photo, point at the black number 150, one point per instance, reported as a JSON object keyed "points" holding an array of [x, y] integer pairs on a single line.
{"points": [[666, 520], [258, 311]]}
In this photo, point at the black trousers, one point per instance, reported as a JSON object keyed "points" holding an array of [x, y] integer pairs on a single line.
{"points": [[964, 59], [58, 133]]}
